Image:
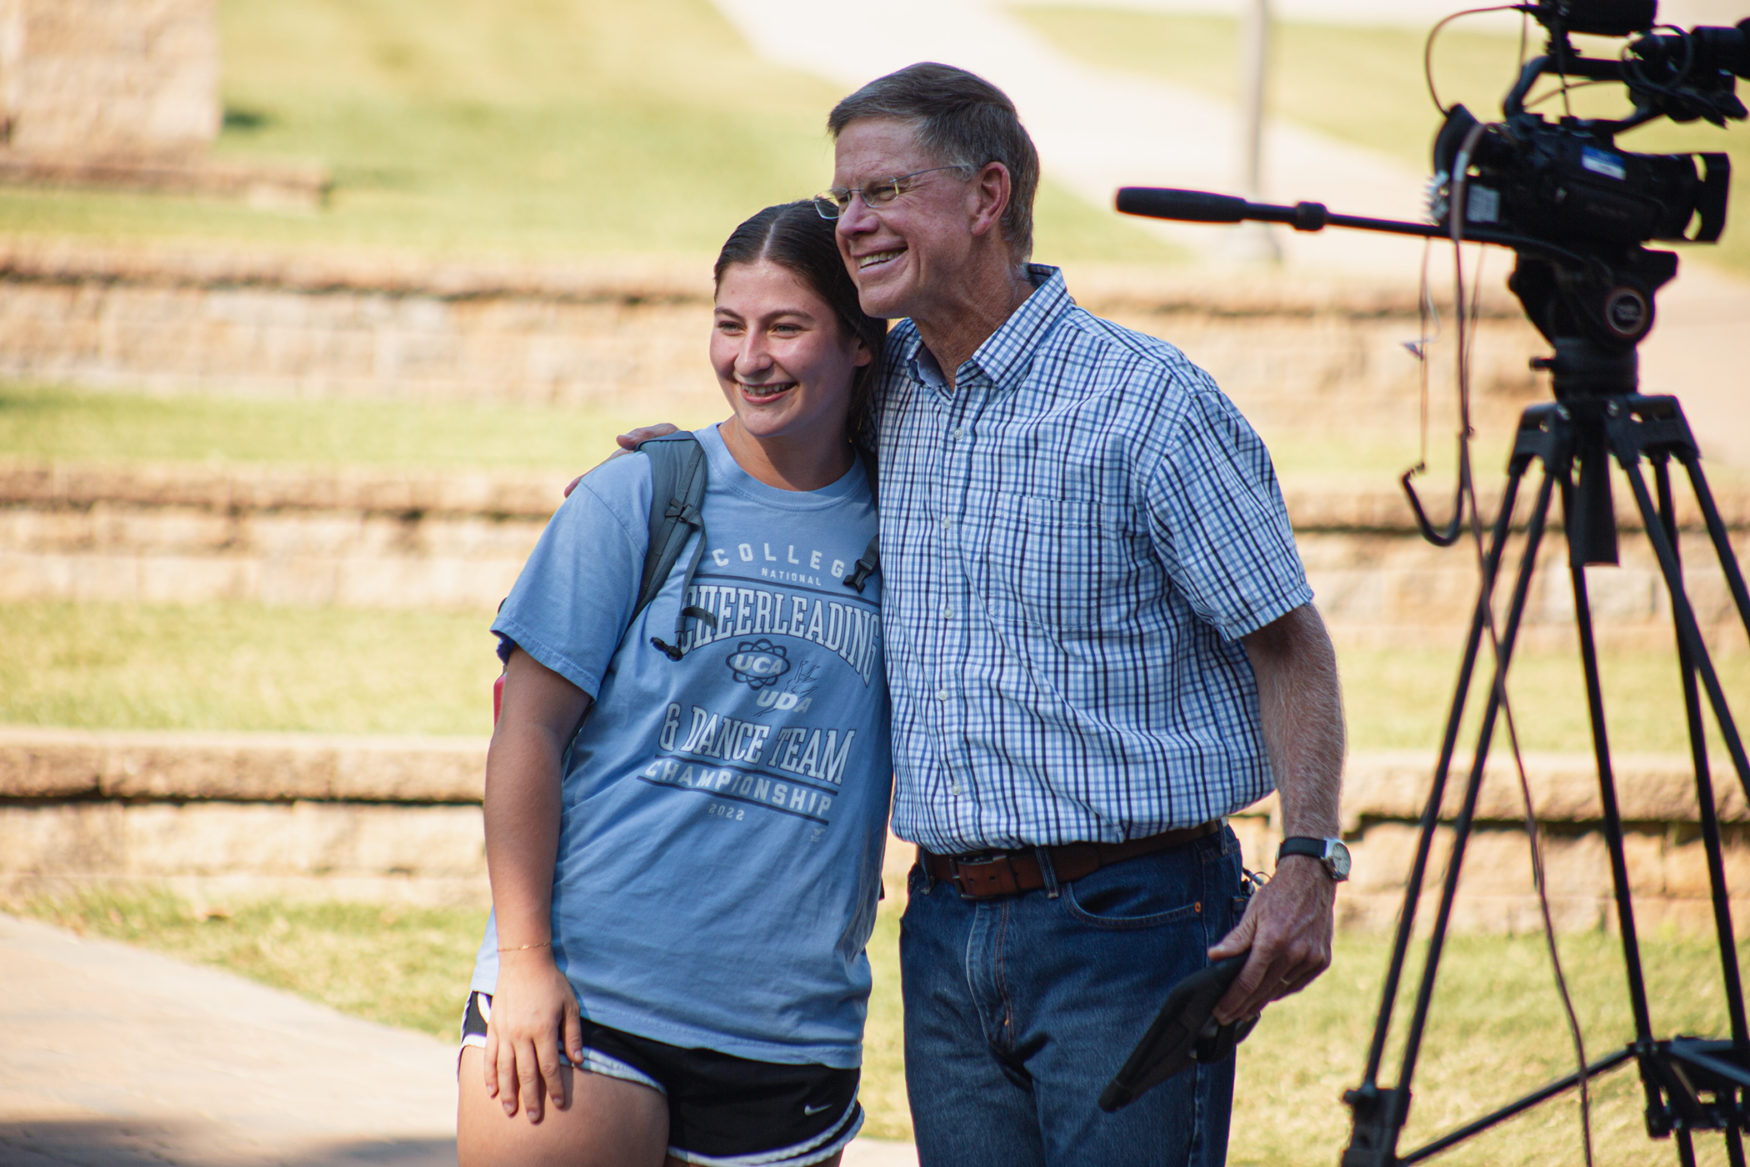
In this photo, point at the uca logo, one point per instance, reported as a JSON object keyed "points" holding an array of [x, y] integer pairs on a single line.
{"points": [[758, 663]]}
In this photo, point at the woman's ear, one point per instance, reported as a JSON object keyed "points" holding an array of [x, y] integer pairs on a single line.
{"points": [[865, 356]]}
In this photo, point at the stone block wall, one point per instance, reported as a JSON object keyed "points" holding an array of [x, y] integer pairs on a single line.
{"points": [[246, 815], [217, 815], [181, 535], [326, 327], [413, 329], [457, 540], [109, 77]]}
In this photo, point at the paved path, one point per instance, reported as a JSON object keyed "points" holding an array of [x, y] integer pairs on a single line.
{"points": [[117, 1057]]}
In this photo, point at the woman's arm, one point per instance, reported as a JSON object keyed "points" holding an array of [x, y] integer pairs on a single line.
{"points": [[534, 1006]]}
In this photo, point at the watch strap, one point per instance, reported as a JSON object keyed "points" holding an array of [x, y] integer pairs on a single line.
{"points": [[1304, 845], [1331, 853]]}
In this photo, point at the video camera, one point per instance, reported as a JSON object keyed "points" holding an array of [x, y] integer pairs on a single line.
{"points": [[1568, 182], [1575, 206]]}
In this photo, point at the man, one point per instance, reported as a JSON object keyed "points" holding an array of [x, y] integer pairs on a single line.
{"points": [[1100, 643]]}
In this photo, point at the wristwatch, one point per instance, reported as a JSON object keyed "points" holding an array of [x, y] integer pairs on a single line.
{"points": [[1331, 852]]}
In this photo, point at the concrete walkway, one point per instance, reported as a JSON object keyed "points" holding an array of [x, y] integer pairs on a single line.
{"points": [[117, 1057]]}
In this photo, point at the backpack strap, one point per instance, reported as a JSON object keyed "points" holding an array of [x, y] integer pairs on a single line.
{"points": [[678, 477], [869, 562]]}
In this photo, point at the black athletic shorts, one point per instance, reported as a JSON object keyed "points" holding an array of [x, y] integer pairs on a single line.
{"points": [[722, 1110]]}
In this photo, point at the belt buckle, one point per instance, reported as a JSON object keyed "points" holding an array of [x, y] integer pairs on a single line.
{"points": [[978, 879]]}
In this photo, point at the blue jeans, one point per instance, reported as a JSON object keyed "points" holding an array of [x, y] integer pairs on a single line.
{"points": [[1018, 1011]]}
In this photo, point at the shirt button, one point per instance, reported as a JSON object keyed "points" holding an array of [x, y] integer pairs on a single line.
{"points": [[947, 523], [954, 788], [947, 613], [941, 694]]}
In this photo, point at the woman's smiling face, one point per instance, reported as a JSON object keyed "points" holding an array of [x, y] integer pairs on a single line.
{"points": [[782, 357]]}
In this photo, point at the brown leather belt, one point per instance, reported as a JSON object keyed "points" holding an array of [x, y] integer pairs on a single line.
{"points": [[991, 875]]}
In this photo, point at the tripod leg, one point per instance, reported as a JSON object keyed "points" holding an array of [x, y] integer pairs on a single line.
{"points": [[1661, 529], [1378, 1115], [1462, 823], [1716, 529], [1704, 791], [1442, 770], [1688, 630], [1612, 814]]}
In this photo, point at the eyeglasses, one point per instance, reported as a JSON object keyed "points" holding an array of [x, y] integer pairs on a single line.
{"points": [[876, 193]]}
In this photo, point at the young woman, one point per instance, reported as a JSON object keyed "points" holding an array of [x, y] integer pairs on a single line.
{"points": [[685, 854]]}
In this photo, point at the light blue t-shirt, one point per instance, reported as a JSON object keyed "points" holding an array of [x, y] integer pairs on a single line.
{"points": [[723, 816]]}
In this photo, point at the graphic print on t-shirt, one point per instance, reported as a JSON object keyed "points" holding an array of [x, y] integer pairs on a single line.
{"points": [[773, 640]]}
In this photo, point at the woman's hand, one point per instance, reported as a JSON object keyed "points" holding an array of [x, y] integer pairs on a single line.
{"points": [[533, 1010]]}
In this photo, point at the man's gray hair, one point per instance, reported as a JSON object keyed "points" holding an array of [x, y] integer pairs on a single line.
{"points": [[963, 120]]}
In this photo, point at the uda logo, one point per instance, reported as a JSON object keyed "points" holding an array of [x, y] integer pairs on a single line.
{"points": [[758, 663]]}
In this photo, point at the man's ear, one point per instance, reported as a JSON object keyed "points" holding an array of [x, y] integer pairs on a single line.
{"points": [[992, 191]]}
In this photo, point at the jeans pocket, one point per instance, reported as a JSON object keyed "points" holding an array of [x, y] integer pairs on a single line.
{"points": [[1131, 895]]}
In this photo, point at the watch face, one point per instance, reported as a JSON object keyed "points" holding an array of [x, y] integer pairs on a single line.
{"points": [[1338, 859]]}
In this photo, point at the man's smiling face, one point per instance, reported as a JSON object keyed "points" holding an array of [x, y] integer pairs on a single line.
{"points": [[909, 257]]}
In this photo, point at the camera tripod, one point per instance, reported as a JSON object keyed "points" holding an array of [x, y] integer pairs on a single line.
{"points": [[1690, 1085], [1594, 303]]}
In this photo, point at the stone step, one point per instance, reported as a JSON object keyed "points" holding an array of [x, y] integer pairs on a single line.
{"points": [[456, 540], [321, 324], [221, 815]]}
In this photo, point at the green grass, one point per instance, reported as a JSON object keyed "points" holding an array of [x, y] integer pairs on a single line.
{"points": [[235, 666], [1495, 1032], [60, 423], [541, 128], [40, 422], [1367, 86], [1397, 698], [225, 666]]}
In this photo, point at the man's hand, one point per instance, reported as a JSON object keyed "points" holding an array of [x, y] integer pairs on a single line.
{"points": [[631, 439], [1287, 930], [628, 442]]}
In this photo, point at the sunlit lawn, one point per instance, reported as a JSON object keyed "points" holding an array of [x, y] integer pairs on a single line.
{"points": [[1496, 1030], [52, 423], [538, 128], [63, 423], [238, 666], [229, 666]]}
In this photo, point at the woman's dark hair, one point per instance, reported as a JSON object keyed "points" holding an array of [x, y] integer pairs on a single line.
{"points": [[795, 237]]}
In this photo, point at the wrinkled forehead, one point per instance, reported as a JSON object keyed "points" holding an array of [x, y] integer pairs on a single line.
{"points": [[870, 148]]}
